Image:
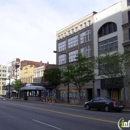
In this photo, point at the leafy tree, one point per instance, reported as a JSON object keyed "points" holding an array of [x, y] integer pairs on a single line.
{"points": [[114, 67], [17, 84], [110, 65], [79, 73], [53, 76]]}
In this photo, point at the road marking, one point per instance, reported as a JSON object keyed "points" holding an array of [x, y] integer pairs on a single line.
{"points": [[47, 124], [63, 113], [71, 109]]}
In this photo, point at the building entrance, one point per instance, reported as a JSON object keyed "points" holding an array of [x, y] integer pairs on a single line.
{"points": [[89, 94]]}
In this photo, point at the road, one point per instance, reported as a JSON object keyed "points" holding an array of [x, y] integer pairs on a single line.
{"points": [[21, 115]]}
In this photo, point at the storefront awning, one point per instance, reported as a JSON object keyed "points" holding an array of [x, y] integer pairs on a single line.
{"points": [[32, 88]]}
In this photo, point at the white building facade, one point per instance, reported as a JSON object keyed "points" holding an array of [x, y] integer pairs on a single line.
{"points": [[111, 33], [3, 77], [13, 70], [38, 73]]}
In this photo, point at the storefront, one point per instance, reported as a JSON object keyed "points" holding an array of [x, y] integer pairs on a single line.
{"points": [[113, 87], [73, 95], [33, 93]]}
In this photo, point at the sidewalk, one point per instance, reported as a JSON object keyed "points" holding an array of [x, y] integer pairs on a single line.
{"points": [[127, 109]]}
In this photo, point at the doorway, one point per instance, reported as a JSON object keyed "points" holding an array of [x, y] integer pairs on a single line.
{"points": [[98, 92], [89, 93], [115, 94]]}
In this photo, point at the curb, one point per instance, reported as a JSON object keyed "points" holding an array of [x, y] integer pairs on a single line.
{"points": [[62, 104]]}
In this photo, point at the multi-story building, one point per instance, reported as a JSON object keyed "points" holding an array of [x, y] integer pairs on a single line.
{"points": [[126, 39], [71, 40], [108, 37], [13, 70], [94, 35], [3, 76], [39, 72], [27, 70]]}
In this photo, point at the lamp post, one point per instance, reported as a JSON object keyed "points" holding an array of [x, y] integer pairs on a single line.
{"points": [[93, 80], [9, 85], [68, 70]]}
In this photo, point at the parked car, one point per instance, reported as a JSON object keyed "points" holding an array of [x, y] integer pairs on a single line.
{"points": [[104, 103]]}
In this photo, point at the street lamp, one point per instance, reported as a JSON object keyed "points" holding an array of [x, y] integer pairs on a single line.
{"points": [[9, 85], [68, 69], [93, 81]]}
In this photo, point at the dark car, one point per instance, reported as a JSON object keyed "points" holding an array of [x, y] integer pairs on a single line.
{"points": [[104, 103]]}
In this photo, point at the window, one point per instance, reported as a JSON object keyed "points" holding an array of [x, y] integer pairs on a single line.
{"points": [[59, 37], [81, 26], [3, 74], [25, 70], [85, 25], [128, 16], [107, 29], [72, 31], [73, 41], [62, 59], [76, 29], [109, 66], [63, 69], [64, 34], [72, 55], [128, 2], [85, 36], [86, 51], [89, 22], [68, 32], [62, 46], [108, 45]]}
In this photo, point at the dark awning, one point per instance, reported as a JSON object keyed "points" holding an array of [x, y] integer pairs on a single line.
{"points": [[32, 88]]}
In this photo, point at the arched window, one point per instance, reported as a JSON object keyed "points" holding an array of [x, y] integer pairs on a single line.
{"points": [[107, 28]]}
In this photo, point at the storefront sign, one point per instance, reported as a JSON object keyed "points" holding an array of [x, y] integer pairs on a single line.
{"points": [[112, 83]]}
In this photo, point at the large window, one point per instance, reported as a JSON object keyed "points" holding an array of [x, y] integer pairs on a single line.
{"points": [[128, 2], [106, 29], [62, 46], [128, 16], [109, 67], [72, 55], [73, 41], [62, 59], [85, 36], [108, 45], [86, 51]]}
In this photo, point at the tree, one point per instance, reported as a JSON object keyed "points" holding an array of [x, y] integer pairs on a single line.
{"points": [[110, 65], [17, 84], [53, 76], [79, 73], [113, 67]]}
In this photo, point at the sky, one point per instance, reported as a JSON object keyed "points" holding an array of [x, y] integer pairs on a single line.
{"points": [[28, 27]]}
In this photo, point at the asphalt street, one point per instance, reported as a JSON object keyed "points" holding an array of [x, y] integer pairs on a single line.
{"points": [[17, 115]]}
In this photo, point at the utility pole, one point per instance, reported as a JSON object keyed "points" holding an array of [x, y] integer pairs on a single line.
{"points": [[9, 86]]}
